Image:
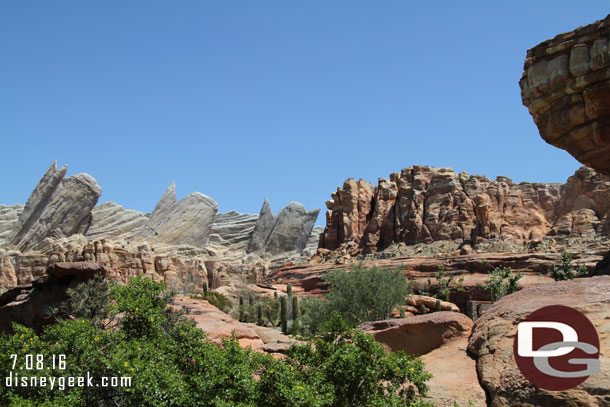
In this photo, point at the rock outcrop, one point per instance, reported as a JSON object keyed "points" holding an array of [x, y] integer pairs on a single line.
{"points": [[441, 338], [58, 207], [566, 87], [425, 204], [9, 216], [29, 304], [110, 220], [493, 336], [288, 231], [184, 222]]}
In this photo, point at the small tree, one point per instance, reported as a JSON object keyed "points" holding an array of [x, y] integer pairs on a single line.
{"points": [[501, 282], [567, 271]]}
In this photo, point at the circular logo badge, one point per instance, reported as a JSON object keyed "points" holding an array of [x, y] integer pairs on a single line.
{"points": [[556, 348]]}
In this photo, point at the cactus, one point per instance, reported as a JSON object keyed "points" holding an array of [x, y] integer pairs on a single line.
{"points": [[289, 290], [205, 288], [251, 300], [402, 312], [259, 314], [275, 295], [241, 300], [422, 309], [438, 306], [295, 308], [284, 315]]}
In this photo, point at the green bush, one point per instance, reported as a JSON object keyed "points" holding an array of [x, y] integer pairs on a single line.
{"points": [[443, 280], [501, 282], [171, 364], [363, 294], [219, 300], [566, 271]]}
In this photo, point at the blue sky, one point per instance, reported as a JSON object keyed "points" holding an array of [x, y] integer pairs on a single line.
{"points": [[243, 100]]}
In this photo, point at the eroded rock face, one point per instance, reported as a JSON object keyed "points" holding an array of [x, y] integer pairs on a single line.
{"points": [[566, 87], [184, 222], [9, 216], [441, 338], [110, 220], [493, 336], [425, 204], [58, 207], [29, 304], [288, 231]]}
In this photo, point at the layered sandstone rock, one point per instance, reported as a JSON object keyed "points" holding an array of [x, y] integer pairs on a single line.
{"points": [[110, 220], [566, 87], [425, 204], [29, 304], [9, 216], [58, 207], [493, 336], [288, 231], [186, 222], [441, 338]]}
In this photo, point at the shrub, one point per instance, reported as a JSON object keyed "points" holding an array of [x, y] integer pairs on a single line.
{"points": [[501, 282], [443, 283], [566, 271], [363, 294], [173, 365]]}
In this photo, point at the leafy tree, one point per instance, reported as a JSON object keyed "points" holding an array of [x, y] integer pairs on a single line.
{"points": [[566, 271], [363, 294], [501, 282]]}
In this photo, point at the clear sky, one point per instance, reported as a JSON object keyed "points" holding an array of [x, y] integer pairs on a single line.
{"points": [[243, 100]]}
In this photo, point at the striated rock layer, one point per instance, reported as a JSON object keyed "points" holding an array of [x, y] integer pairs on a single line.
{"points": [[58, 207], [566, 87], [426, 204]]}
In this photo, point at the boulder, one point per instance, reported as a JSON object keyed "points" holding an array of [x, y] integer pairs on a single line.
{"points": [[565, 85], [494, 333], [441, 339]]}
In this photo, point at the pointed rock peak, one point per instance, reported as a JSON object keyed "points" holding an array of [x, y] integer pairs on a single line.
{"points": [[168, 198], [266, 208]]}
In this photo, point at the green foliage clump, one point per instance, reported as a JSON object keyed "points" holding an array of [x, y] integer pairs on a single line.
{"points": [[219, 300], [363, 294], [501, 282], [171, 364], [344, 368], [443, 280], [566, 271]]}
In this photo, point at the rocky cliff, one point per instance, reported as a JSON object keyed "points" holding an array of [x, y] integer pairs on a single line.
{"points": [[566, 89], [177, 243], [426, 204]]}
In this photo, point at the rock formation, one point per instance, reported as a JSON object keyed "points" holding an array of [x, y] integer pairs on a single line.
{"points": [[426, 204], [441, 338], [58, 207], [9, 216], [110, 220], [565, 86], [288, 231], [184, 222], [493, 336]]}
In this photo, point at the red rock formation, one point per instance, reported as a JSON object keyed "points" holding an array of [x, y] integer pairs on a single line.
{"points": [[425, 204], [566, 89], [493, 336], [442, 340]]}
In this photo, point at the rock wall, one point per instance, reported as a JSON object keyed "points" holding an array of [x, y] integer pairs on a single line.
{"points": [[565, 86], [427, 204]]}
